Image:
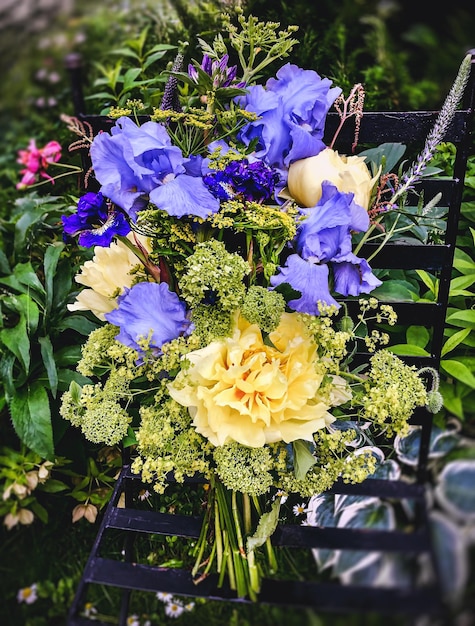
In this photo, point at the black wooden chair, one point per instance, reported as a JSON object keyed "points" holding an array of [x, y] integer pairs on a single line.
{"points": [[120, 571]]}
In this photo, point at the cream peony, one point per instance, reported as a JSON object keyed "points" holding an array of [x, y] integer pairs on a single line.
{"points": [[240, 389], [347, 173], [109, 272]]}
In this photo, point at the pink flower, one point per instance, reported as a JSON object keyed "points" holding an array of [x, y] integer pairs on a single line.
{"points": [[36, 161]]}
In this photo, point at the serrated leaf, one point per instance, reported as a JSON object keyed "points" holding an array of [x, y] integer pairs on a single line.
{"points": [[31, 418], [265, 528]]}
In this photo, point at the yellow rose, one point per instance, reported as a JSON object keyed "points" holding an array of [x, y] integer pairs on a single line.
{"points": [[240, 389], [107, 274], [347, 173]]}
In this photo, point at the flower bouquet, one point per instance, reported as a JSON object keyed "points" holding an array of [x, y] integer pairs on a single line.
{"points": [[225, 238]]}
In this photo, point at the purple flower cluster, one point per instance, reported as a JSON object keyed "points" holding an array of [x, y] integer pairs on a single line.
{"points": [[96, 222], [138, 165], [253, 182], [221, 74]]}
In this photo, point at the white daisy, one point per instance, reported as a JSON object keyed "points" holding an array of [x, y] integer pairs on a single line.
{"points": [[174, 609], [28, 594], [299, 509]]}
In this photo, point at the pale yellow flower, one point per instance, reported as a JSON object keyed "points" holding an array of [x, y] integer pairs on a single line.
{"points": [[347, 173], [22, 516], [240, 389], [108, 273], [88, 511]]}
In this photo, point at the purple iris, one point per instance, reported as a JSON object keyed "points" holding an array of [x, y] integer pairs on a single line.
{"points": [[308, 278], [95, 222], [292, 110], [222, 75], [251, 181], [138, 164], [326, 232], [324, 244], [353, 275], [149, 310]]}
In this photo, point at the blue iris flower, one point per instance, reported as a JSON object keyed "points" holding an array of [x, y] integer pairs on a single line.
{"points": [[95, 222], [323, 244], [149, 310], [292, 110], [138, 164], [326, 231], [353, 276], [308, 278]]}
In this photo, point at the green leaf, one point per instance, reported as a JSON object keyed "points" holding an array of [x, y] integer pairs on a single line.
{"points": [[429, 281], [40, 512], [75, 390], [25, 307], [17, 341], [392, 153], [303, 458], [467, 317], [31, 417], [4, 264], [26, 275], [265, 528], [451, 554], [459, 371], [53, 486], [395, 291], [51, 258], [462, 282], [455, 492], [455, 340], [418, 336], [129, 78], [156, 56], [130, 439], [79, 323], [405, 349], [47, 354]]}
